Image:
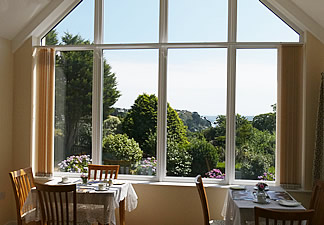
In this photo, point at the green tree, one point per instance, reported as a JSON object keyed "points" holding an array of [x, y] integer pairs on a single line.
{"points": [[265, 121], [73, 91], [141, 121]]}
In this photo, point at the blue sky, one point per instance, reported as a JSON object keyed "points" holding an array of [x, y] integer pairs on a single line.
{"points": [[196, 77]]}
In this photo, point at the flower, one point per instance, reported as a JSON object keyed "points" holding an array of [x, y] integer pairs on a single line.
{"points": [[149, 164], [267, 176], [261, 186], [215, 173], [75, 164]]}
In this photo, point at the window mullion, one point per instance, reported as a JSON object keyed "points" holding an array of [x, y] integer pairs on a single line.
{"points": [[230, 106], [97, 85], [162, 94]]}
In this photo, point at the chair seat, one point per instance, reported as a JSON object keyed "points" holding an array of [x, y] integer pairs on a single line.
{"points": [[217, 222]]}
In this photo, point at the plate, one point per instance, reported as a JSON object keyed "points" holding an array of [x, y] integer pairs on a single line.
{"points": [[238, 187], [290, 203], [266, 202], [97, 189]]}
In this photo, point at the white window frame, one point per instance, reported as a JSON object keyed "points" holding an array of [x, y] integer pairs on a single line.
{"points": [[231, 45]]}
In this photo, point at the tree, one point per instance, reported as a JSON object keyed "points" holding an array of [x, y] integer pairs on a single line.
{"points": [[265, 121], [141, 121], [73, 91]]}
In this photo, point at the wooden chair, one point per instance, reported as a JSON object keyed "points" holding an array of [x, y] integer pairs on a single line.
{"points": [[317, 203], [22, 181], [106, 171], [204, 202], [283, 216], [58, 204]]}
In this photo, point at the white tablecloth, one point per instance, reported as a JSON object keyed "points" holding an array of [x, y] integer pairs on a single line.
{"points": [[93, 206], [240, 212]]}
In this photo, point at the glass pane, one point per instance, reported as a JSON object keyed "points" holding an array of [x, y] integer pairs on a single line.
{"points": [[130, 110], [131, 21], [256, 23], [256, 98], [73, 107], [197, 21], [196, 112], [79, 23]]}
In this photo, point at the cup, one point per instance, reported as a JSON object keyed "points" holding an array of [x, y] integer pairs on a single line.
{"points": [[101, 186], [65, 179]]}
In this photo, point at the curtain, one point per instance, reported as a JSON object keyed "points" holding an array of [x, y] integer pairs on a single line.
{"points": [[289, 127], [44, 111], [318, 171]]}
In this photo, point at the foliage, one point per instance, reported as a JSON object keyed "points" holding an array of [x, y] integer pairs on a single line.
{"points": [[111, 125], [193, 120], [267, 176], [120, 147], [141, 121], [204, 156], [265, 122], [75, 164], [73, 91], [215, 173], [255, 164], [178, 158]]}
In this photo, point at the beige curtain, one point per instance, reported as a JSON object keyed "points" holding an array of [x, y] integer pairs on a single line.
{"points": [[318, 164], [290, 71], [44, 108]]}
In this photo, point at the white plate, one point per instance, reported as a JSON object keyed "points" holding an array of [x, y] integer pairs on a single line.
{"points": [[238, 187], [105, 189], [290, 203], [266, 202]]}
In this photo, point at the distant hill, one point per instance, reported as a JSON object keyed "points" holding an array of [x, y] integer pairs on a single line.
{"points": [[212, 119], [193, 120]]}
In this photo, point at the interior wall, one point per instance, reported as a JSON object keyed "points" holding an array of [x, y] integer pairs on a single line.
{"points": [[173, 205], [6, 110], [314, 66], [22, 107]]}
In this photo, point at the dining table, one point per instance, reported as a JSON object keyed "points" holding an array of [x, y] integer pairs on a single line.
{"points": [[240, 201], [94, 204]]}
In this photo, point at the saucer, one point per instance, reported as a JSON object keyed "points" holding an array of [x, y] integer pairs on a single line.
{"points": [[290, 203]]}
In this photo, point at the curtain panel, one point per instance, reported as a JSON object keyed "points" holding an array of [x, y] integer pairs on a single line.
{"points": [[289, 127], [44, 60]]}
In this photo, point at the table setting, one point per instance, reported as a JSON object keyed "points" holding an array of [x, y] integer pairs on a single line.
{"points": [[96, 199], [240, 202]]}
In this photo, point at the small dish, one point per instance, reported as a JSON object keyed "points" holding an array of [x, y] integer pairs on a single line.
{"points": [[267, 201], [289, 203]]}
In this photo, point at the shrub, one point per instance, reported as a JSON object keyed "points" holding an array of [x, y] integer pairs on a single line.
{"points": [[215, 173], [111, 125], [148, 166], [120, 147]]}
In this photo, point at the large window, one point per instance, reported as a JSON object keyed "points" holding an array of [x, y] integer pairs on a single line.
{"points": [[168, 89]]}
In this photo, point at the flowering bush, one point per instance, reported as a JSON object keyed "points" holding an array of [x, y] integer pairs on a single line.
{"points": [[267, 176], [261, 186], [215, 173], [75, 164], [148, 165]]}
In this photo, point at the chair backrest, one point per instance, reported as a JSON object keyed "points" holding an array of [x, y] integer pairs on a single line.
{"points": [[274, 216], [22, 181], [105, 171], [203, 198], [317, 203], [58, 204]]}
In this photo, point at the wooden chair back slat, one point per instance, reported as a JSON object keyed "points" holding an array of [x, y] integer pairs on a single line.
{"points": [[104, 171], [22, 181], [283, 216], [55, 204], [203, 198], [317, 203]]}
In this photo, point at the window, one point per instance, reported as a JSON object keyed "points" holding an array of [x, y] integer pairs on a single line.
{"points": [[169, 92]]}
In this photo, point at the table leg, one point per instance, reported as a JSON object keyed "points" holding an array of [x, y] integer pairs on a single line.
{"points": [[122, 207]]}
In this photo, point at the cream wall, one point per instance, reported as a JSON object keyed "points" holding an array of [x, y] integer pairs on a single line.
{"points": [[314, 65], [6, 110]]}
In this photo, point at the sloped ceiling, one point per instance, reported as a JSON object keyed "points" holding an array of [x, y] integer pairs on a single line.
{"points": [[19, 19], [16, 14]]}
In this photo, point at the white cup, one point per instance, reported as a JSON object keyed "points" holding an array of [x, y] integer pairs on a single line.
{"points": [[65, 179], [101, 186]]}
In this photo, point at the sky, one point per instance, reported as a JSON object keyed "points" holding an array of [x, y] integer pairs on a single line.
{"points": [[196, 78]]}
